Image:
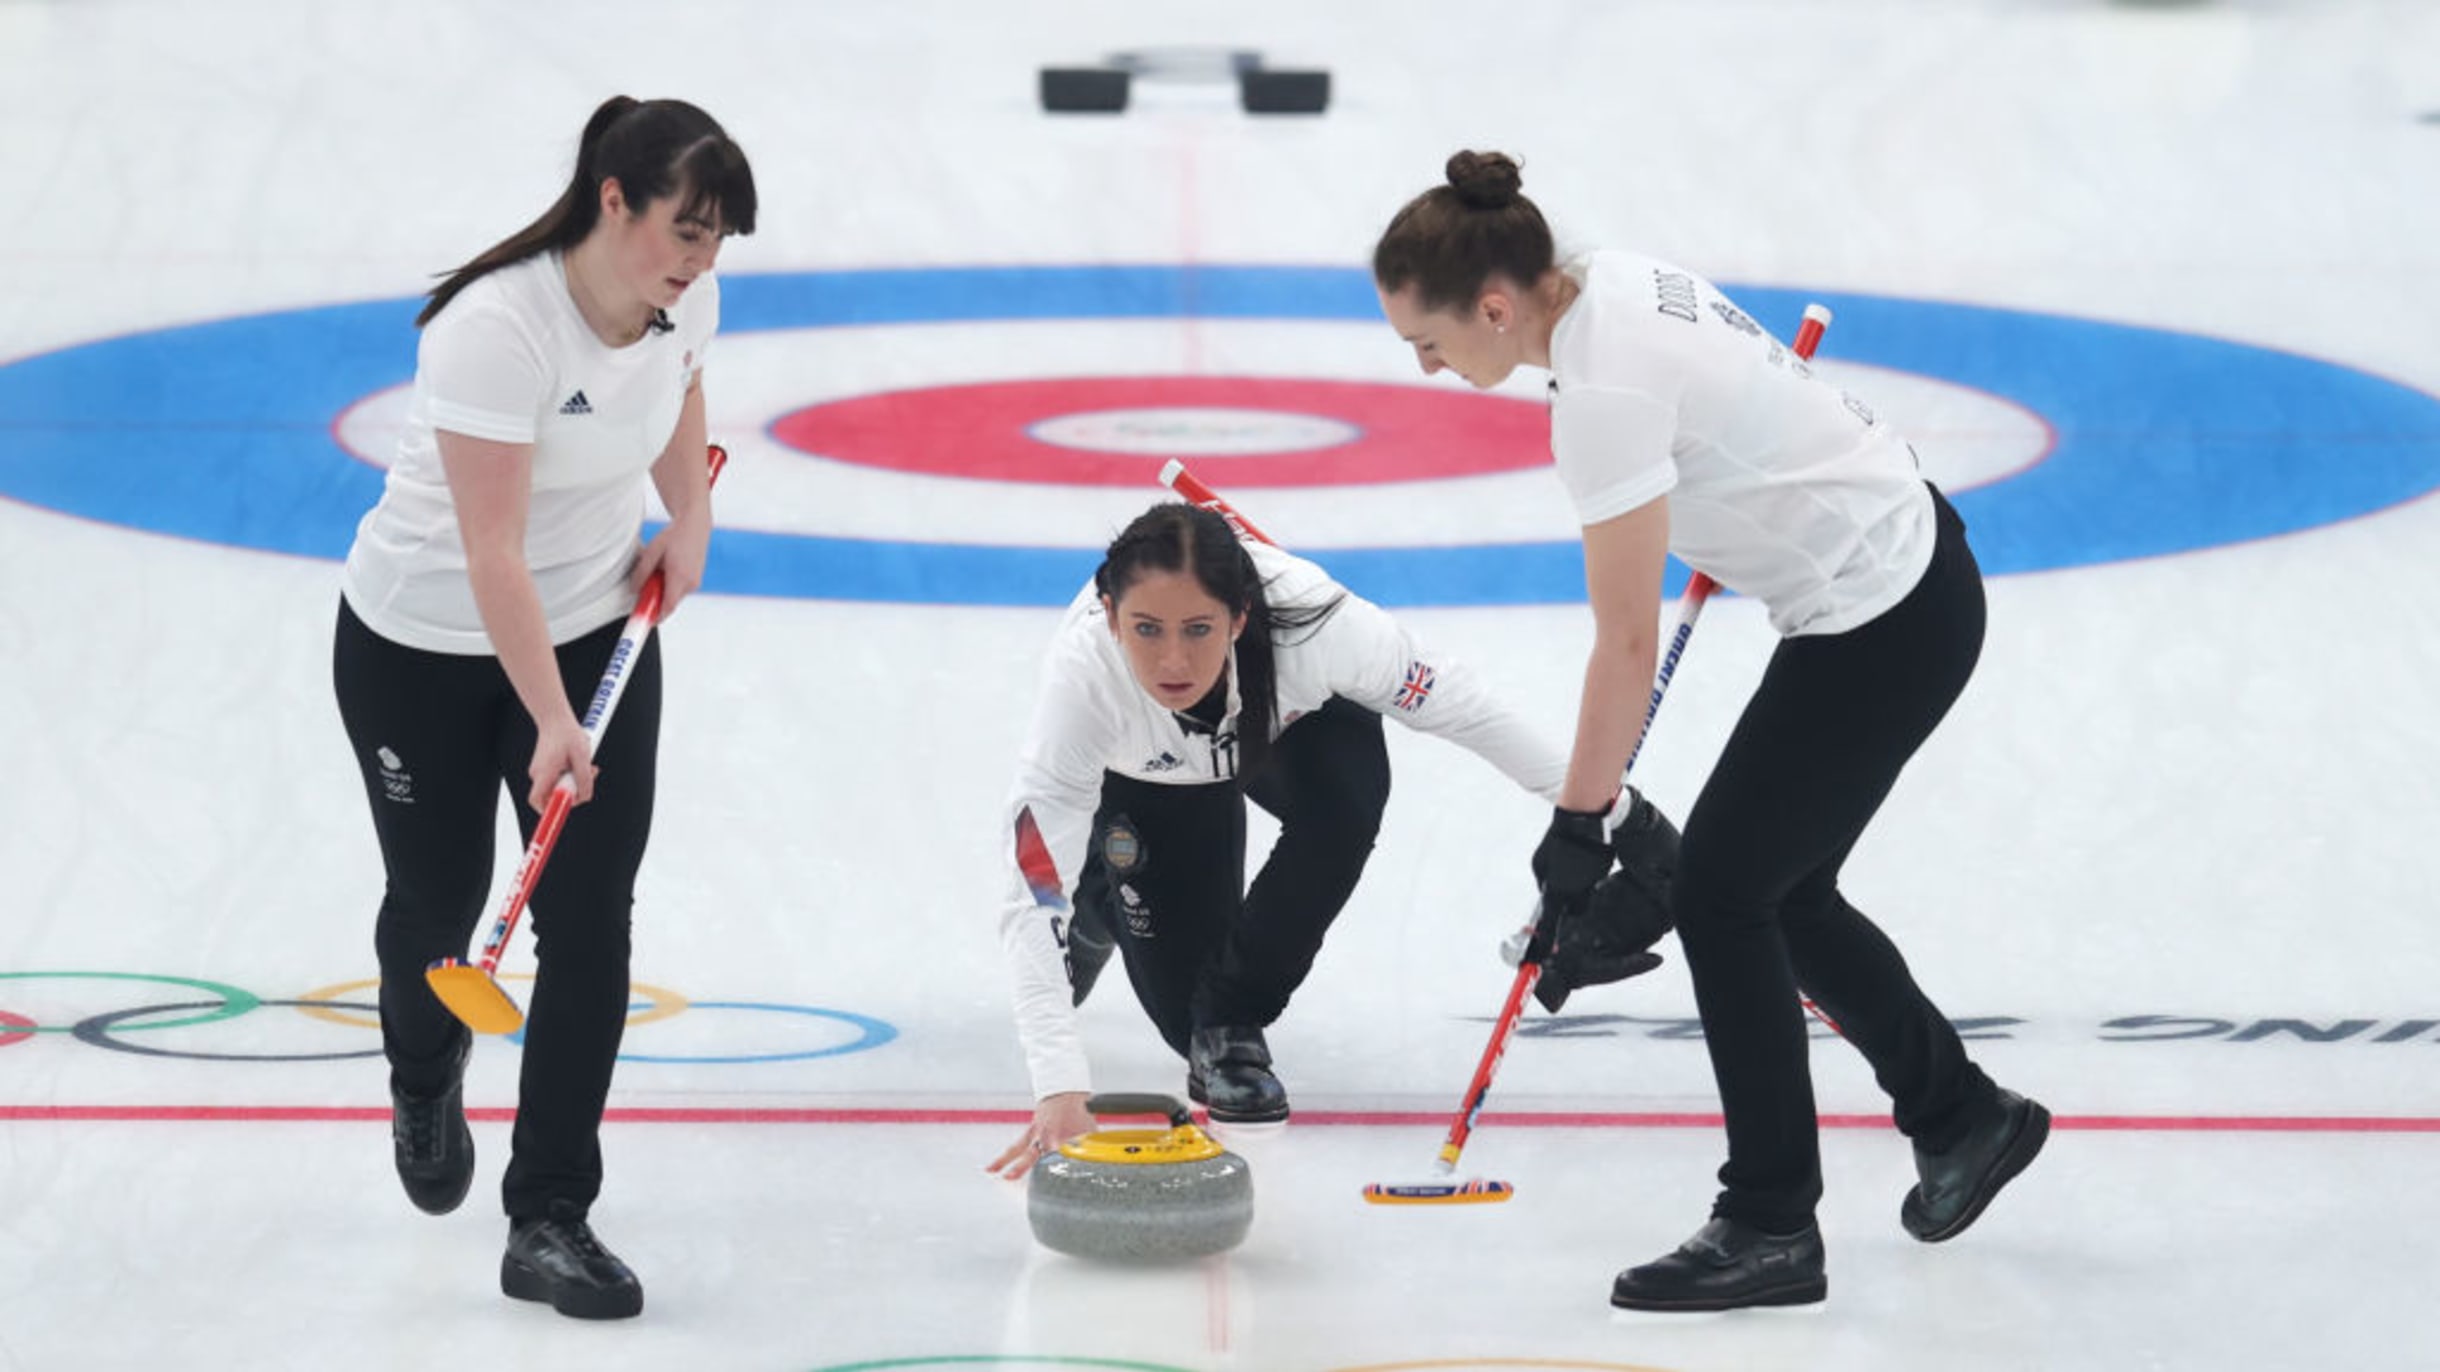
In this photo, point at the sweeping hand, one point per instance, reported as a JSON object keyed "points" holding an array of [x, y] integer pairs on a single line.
{"points": [[1573, 856], [677, 552], [1574, 853], [561, 748], [1057, 1119]]}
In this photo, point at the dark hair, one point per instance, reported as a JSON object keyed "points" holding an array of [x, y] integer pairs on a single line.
{"points": [[655, 148], [1173, 536], [1452, 238]]}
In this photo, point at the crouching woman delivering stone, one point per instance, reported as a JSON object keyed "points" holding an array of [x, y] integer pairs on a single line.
{"points": [[1195, 671]]}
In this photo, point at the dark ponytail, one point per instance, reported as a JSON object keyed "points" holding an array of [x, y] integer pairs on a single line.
{"points": [[654, 148], [1173, 536], [1453, 238]]}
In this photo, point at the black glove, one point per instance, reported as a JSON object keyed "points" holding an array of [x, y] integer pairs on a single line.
{"points": [[1608, 936], [1574, 852], [1573, 856], [1647, 847]]}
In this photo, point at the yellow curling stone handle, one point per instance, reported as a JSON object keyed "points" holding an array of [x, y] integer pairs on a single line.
{"points": [[1181, 1141]]}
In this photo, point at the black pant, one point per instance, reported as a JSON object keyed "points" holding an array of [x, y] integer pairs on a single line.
{"points": [[437, 736], [1758, 907], [1166, 872]]}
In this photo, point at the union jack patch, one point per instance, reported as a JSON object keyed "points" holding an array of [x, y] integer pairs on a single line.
{"points": [[1417, 689]]}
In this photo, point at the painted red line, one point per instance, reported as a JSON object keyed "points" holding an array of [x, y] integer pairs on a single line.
{"points": [[326, 1114], [1215, 1305]]}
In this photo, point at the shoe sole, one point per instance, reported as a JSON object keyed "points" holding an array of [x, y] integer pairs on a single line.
{"points": [[2019, 1154], [1195, 1093], [1233, 1117], [526, 1284], [1801, 1293]]}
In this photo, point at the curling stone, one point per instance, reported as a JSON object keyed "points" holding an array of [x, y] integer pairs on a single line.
{"points": [[1264, 90], [1084, 90], [1141, 1195]]}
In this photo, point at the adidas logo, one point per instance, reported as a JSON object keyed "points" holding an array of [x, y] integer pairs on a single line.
{"points": [[1166, 762], [577, 404]]}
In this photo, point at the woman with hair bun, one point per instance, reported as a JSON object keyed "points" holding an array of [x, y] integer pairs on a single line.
{"points": [[1679, 425], [557, 372], [1198, 670]]}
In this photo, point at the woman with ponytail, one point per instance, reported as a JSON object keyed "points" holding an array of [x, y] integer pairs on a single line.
{"points": [[1679, 425], [1196, 671], [557, 373]]}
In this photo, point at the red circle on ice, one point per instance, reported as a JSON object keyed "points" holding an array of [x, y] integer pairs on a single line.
{"points": [[1118, 431]]}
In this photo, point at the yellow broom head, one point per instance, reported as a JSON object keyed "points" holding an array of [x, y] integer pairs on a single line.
{"points": [[1440, 1193], [472, 996]]}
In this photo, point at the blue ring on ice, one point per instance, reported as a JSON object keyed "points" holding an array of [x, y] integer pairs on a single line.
{"points": [[2167, 442]]}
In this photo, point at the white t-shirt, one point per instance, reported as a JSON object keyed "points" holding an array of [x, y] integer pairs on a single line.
{"points": [[1780, 486], [511, 360], [1091, 717]]}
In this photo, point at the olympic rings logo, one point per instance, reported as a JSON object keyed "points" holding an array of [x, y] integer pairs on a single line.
{"points": [[180, 1009]]}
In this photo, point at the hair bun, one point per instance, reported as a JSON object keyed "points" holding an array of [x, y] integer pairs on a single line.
{"points": [[1486, 180]]}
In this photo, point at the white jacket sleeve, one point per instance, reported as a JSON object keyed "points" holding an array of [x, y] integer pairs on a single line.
{"points": [[1374, 661], [1048, 825]]}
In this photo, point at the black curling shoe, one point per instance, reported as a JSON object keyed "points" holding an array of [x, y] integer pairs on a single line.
{"points": [[1958, 1184], [558, 1260], [430, 1142], [1229, 1070], [1728, 1265]]}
